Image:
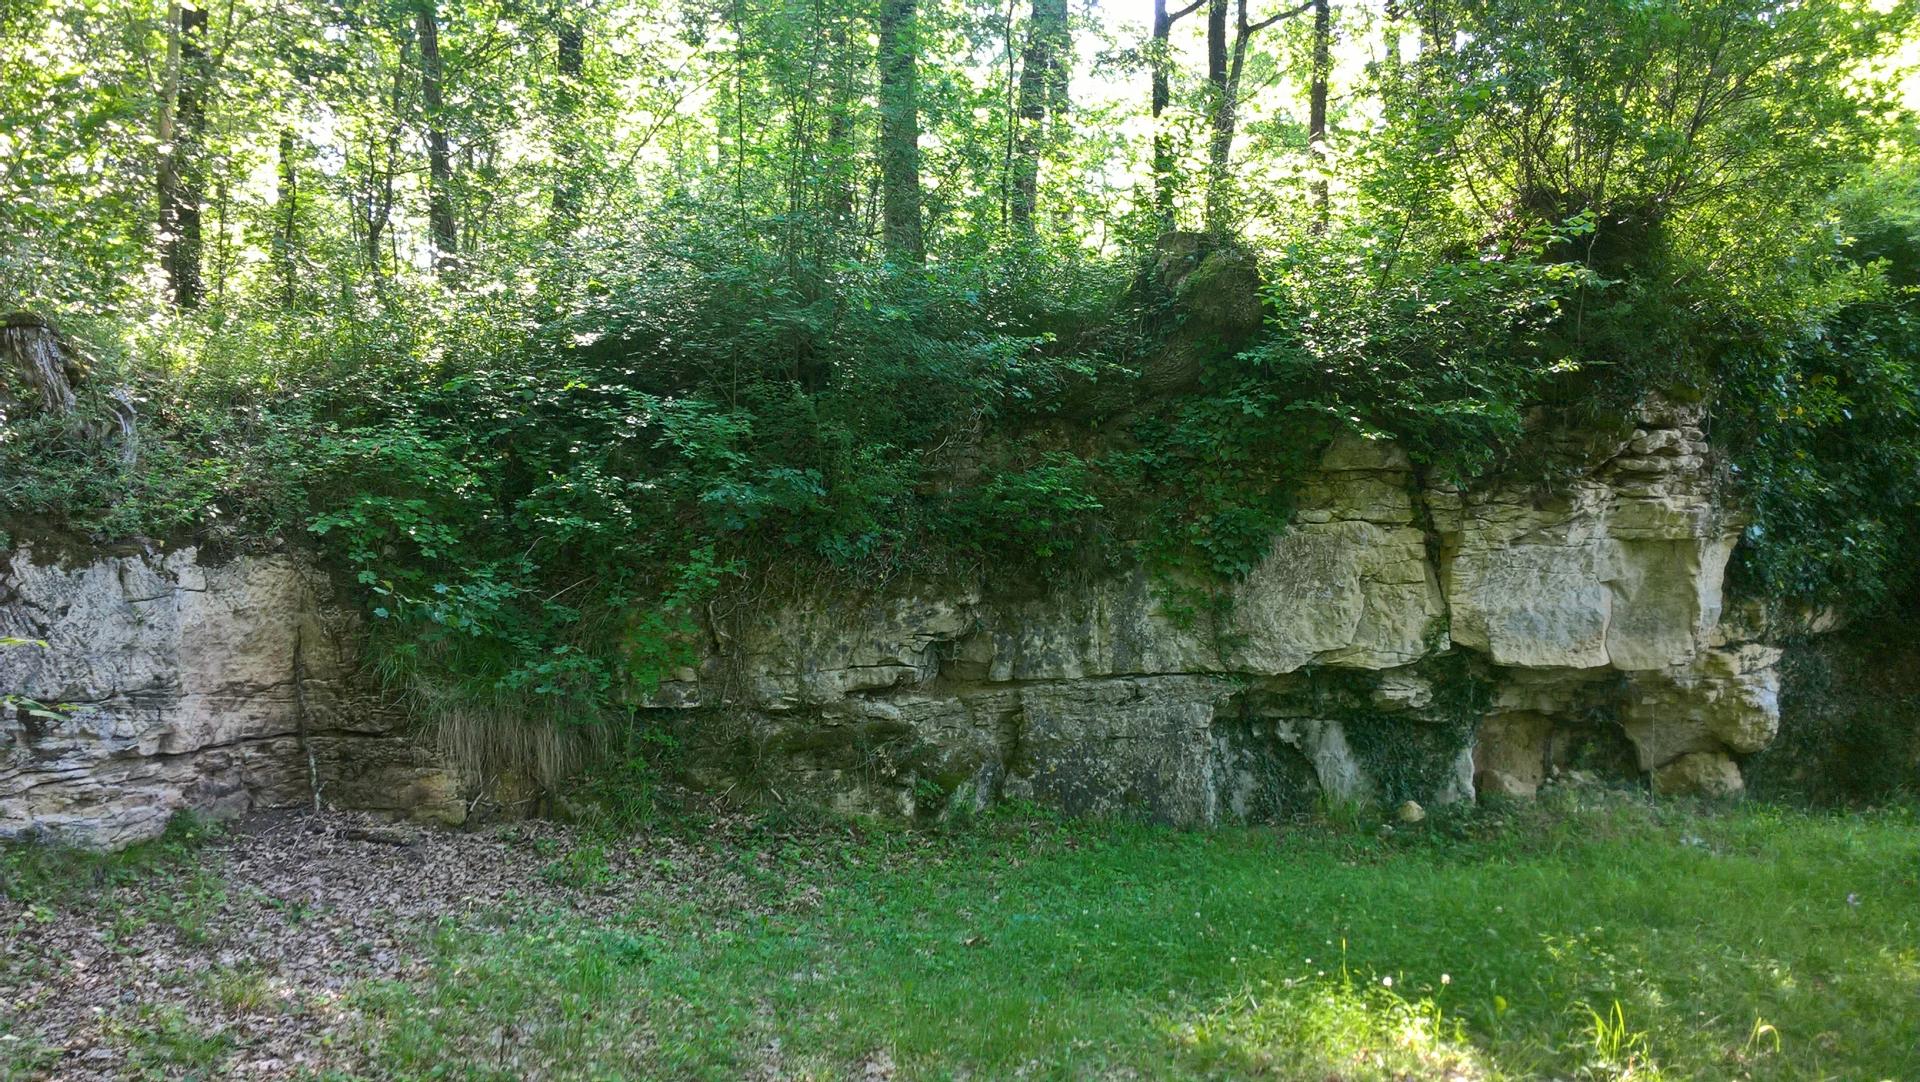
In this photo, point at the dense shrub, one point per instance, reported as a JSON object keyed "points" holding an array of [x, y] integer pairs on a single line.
{"points": [[1849, 719]]}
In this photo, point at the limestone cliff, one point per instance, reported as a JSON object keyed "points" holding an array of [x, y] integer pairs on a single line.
{"points": [[1399, 641], [161, 682]]}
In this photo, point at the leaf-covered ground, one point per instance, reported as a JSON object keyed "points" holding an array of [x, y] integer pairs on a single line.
{"points": [[1595, 936]]}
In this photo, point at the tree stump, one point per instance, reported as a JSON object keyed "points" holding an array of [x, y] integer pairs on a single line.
{"points": [[37, 369]]}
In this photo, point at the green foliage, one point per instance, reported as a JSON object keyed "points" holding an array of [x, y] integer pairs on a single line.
{"points": [[1444, 357], [1822, 413], [619, 791], [1333, 1028], [1680, 127], [584, 867], [539, 504], [164, 1042], [1849, 719], [1212, 479], [68, 469], [1039, 514], [44, 875], [668, 352]]}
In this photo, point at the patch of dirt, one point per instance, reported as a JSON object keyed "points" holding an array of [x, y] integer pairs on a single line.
{"points": [[246, 963]]}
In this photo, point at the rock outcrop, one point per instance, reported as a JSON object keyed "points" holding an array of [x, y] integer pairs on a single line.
{"points": [[144, 684], [1398, 642]]}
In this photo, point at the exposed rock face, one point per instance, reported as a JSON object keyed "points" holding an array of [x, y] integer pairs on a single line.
{"points": [[1395, 644], [1399, 643], [1620, 568], [172, 684]]}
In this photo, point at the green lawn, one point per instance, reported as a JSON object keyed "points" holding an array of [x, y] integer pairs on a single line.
{"points": [[1600, 937], [1620, 941]]}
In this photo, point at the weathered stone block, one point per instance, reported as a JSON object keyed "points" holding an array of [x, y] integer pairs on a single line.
{"points": [[174, 687]]}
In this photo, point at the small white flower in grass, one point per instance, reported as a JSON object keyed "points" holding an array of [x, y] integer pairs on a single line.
{"points": [[1445, 979], [1386, 982]]}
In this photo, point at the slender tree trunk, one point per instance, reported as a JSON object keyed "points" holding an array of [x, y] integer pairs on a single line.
{"points": [[570, 61], [1043, 88], [222, 208], [182, 174], [370, 235], [1013, 115], [1162, 64], [1435, 19], [736, 18], [166, 176], [900, 132], [839, 150], [440, 221], [1317, 109], [191, 137], [1224, 68], [287, 204], [1393, 15], [1220, 108], [380, 174]]}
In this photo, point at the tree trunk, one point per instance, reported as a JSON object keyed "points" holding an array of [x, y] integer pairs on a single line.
{"points": [[900, 132], [287, 212], [840, 153], [1220, 108], [1223, 74], [166, 168], [1317, 109], [1393, 15], [383, 164], [440, 220], [1162, 64], [182, 174], [1043, 87], [570, 57]]}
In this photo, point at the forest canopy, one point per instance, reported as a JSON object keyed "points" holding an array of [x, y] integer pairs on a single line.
{"points": [[548, 322]]}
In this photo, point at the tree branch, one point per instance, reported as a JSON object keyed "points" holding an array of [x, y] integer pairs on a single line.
{"points": [[1252, 28]]}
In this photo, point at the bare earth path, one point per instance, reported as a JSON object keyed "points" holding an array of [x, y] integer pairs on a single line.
{"points": [[248, 957]]}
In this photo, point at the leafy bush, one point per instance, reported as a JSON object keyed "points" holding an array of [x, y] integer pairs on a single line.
{"points": [[1445, 357], [1849, 719], [1041, 513], [1821, 410]]}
